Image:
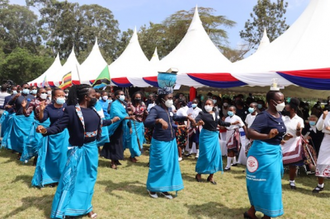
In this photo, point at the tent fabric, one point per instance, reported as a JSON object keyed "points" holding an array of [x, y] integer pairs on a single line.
{"points": [[196, 53], [56, 65], [154, 62], [318, 79], [71, 65], [94, 64], [131, 66], [305, 45]]}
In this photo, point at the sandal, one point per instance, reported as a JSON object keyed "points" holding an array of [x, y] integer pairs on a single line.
{"points": [[213, 182], [92, 215], [317, 189]]}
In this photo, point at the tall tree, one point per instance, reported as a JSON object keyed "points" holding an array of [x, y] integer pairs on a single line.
{"points": [[266, 14], [68, 24], [18, 28]]}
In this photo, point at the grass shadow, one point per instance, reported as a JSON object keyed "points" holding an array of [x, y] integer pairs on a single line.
{"points": [[24, 178], [42, 203], [214, 210], [134, 187]]}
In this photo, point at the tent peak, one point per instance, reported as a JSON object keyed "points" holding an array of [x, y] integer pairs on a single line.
{"points": [[264, 42], [196, 21]]}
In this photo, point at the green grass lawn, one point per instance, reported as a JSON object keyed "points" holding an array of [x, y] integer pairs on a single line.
{"points": [[122, 193]]}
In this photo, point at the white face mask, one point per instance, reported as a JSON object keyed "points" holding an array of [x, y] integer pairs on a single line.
{"points": [[208, 108], [105, 98], [43, 96], [169, 103], [280, 107], [49, 92], [122, 97]]}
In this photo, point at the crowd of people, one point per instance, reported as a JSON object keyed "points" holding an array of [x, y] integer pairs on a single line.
{"points": [[65, 131]]}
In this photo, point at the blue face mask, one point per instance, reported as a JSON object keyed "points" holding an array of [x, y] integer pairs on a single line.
{"points": [[122, 98], [110, 100], [26, 91], [259, 106], [251, 109], [230, 113], [60, 100], [194, 105], [312, 123], [14, 92]]}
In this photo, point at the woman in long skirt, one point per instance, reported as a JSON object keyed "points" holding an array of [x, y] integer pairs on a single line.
{"points": [[264, 162], [323, 160], [35, 140], [139, 110], [292, 149], [115, 150], [75, 190], [209, 160], [164, 171], [52, 156]]}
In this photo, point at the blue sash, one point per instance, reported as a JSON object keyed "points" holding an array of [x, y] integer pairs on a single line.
{"points": [[164, 171], [3, 122], [137, 135], [127, 137], [75, 190], [34, 142], [20, 132], [209, 160], [104, 135], [6, 127], [52, 157], [263, 178]]}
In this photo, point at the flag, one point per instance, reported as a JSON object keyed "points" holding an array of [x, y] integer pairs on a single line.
{"points": [[44, 82], [103, 79], [66, 81]]}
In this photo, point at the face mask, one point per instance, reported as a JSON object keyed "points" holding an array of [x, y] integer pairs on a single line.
{"points": [[194, 105], [66, 95], [92, 102], [225, 104], [14, 92], [20, 91], [251, 109], [60, 100], [26, 91], [312, 123], [230, 113], [208, 108], [259, 106], [280, 107], [34, 91], [105, 98], [110, 100], [138, 100], [169, 103], [100, 98], [122, 97], [43, 96], [214, 101], [49, 92]]}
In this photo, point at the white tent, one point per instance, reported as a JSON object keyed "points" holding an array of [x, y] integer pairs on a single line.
{"points": [[71, 65], [130, 66], [196, 53], [51, 70], [94, 64], [264, 42], [305, 45]]}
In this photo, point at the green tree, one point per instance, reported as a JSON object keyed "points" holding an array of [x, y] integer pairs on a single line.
{"points": [[69, 24], [18, 28], [23, 66], [266, 14]]}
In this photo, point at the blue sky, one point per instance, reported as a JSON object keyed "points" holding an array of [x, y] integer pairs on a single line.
{"points": [[131, 13]]}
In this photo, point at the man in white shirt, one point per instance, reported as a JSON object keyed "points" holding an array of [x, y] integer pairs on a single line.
{"points": [[3, 95], [233, 136], [193, 132]]}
